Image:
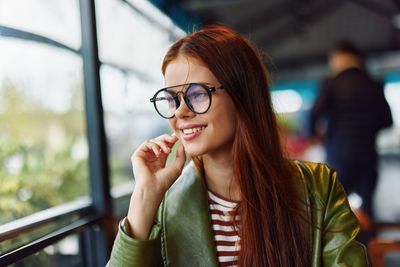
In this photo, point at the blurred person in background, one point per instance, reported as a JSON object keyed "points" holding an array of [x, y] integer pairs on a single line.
{"points": [[348, 113]]}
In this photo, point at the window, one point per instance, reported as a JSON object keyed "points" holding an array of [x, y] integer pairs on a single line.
{"points": [[54, 188], [57, 20], [43, 146], [131, 49]]}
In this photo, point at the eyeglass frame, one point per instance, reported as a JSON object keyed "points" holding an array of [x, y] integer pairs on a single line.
{"points": [[175, 96]]}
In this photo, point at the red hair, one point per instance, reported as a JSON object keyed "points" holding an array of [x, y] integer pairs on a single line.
{"points": [[272, 230]]}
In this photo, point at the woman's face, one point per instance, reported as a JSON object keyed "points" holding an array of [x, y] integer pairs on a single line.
{"points": [[209, 133]]}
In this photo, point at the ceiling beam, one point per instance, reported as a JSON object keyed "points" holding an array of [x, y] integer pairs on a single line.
{"points": [[204, 6], [263, 16], [376, 7], [295, 25], [300, 62]]}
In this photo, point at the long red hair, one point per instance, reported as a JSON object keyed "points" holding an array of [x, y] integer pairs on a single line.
{"points": [[272, 230]]}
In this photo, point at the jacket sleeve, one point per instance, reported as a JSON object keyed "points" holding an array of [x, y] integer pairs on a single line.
{"points": [[340, 229], [129, 252]]}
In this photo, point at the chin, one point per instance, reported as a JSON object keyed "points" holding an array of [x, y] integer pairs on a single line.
{"points": [[194, 152]]}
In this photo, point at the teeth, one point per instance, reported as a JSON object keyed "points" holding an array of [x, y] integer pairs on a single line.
{"points": [[193, 130]]}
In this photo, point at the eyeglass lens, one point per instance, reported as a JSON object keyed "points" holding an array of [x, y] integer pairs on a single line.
{"points": [[196, 97]]}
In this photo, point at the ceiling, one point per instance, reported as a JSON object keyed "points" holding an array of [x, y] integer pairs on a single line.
{"points": [[297, 32]]}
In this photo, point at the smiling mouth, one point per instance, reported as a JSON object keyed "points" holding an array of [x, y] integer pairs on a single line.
{"points": [[190, 131]]}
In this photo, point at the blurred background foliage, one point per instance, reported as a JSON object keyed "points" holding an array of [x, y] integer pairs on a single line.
{"points": [[43, 153]]}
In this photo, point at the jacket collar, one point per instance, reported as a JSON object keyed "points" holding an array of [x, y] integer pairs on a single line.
{"points": [[187, 233]]}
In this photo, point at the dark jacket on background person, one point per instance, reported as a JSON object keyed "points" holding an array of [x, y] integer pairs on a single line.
{"points": [[354, 109], [182, 234]]}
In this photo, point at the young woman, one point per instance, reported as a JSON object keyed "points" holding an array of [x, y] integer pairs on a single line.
{"points": [[239, 202]]}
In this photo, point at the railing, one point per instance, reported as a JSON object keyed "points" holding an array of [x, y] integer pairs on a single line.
{"points": [[17, 227], [81, 208]]}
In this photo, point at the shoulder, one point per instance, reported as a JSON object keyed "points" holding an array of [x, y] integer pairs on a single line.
{"points": [[334, 227], [318, 179], [325, 85], [313, 172]]}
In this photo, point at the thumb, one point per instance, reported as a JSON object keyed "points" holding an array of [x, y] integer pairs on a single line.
{"points": [[180, 158], [173, 171]]}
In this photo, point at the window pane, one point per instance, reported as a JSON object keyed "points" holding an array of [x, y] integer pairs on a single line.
{"points": [[57, 20], [129, 40], [43, 146], [129, 118], [131, 48]]}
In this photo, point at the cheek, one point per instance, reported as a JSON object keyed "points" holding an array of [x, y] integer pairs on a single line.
{"points": [[230, 116], [231, 126], [227, 122]]}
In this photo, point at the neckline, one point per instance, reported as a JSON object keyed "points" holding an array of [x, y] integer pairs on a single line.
{"points": [[224, 199]]}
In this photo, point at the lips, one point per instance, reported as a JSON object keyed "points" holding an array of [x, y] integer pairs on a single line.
{"points": [[193, 130], [190, 132]]}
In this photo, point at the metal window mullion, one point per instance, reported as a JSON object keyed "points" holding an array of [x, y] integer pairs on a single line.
{"points": [[98, 164], [11, 32]]}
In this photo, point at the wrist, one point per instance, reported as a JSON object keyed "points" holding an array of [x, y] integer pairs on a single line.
{"points": [[147, 195], [142, 212]]}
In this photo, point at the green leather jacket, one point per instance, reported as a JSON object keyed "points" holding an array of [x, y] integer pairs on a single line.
{"points": [[182, 234]]}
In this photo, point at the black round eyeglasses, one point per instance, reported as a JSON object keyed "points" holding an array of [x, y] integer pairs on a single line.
{"points": [[197, 97]]}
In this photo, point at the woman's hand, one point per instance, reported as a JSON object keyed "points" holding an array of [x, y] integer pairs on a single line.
{"points": [[149, 164], [153, 178]]}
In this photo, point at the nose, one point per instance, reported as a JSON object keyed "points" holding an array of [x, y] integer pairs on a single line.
{"points": [[183, 110]]}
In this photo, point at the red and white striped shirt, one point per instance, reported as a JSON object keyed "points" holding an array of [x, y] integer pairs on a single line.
{"points": [[225, 236]]}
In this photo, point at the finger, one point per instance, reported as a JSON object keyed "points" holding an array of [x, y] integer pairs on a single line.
{"points": [[173, 171], [169, 139], [173, 138], [144, 146], [147, 147], [162, 145], [154, 147]]}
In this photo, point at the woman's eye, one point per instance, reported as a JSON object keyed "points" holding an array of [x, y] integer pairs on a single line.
{"points": [[165, 99], [199, 96]]}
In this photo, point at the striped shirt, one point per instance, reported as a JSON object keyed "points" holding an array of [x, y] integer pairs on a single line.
{"points": [[226, 238]]}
